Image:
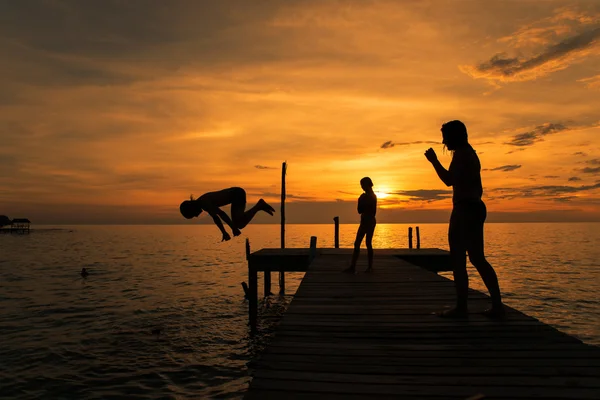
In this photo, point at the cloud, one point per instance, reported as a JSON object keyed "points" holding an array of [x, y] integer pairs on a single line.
{"points": [[551, 176], [424, 194], [549, 47], [547, 191], [535, 135], [591, 170], [574, 179], [591, 82], [389, 144], [505, 168], [258, 166], [594, 161], [580, 153], [287, 195]]}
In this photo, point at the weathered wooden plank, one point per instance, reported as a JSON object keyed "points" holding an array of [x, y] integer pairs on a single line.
{"points": [[516, 392], [449, 380], [466, 354], [444, 370], [421, 347], [359, 361], [262, 394]]}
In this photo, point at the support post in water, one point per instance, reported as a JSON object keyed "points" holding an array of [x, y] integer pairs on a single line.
{"points": [[336, 240], [313, 249], [267, 283], [281, 273], [245, 287], [252, 290], [418, 238], [410, 237]]}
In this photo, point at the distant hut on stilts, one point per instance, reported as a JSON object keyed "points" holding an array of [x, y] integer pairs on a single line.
{"points": [[20, 225]]}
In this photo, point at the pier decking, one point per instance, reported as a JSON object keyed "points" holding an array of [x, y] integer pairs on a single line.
{"points": [[374, 336]]}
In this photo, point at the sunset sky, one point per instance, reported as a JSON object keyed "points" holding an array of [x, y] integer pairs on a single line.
{"points": [[115, 111]]}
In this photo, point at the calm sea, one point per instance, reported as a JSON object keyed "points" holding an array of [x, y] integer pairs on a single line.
{"points": [[63, 336]]}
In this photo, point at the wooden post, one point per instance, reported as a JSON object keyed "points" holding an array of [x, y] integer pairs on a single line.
{"points": [[336, 220], [252, 290], [267, 282], [313, 249], [418, 238], [410, 237], [281, 273]]}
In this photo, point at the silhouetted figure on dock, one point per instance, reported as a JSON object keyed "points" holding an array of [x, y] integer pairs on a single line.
{"points": [[211, 201], [465, 233], [367, 208]]}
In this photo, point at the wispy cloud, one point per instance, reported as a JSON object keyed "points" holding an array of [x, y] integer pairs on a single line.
{"points": [[536, 135], [591, 170], [591, 82], [516, 150], [554, 44], [546, 191], [258, 166], [287, 195], [389, 144], [505, 168], [424, 194], [574, 179]]}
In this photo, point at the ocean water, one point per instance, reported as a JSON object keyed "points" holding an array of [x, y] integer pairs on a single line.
{"points": [[63, 336]]}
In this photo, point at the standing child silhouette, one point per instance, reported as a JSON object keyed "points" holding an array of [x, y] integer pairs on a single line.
{"points": [[367, 208]]}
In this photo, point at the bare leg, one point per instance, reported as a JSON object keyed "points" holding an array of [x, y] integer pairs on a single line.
{"points": [[242, 218], [369, 243], [490, 279], [477, 257], [360, 234], [458, 258]]}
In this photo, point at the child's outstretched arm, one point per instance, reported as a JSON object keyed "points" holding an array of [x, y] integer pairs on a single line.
{"points": [[227, 220], [214, 212]]}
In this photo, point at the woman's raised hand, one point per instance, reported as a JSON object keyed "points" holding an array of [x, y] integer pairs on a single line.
{"points": [[430, 154]]}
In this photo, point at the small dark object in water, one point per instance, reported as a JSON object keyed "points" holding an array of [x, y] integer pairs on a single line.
{"points": [[156, 331], [84, 273]]}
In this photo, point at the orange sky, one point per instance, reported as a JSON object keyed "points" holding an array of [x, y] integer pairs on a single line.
{"points": [[116, 111]]}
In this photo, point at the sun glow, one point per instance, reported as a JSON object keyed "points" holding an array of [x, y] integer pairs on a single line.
{"points": [[381, 195]]}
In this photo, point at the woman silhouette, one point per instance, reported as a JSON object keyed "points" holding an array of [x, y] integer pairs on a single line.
{"points": [[367, 208], [465, 233]]}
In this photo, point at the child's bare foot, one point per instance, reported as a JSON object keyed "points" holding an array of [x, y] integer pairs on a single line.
{"points": [[349, 270], [454, 313], [266, 207]]}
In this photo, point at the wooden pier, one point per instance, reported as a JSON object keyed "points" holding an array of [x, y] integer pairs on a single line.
{"points": [[375, 335]]}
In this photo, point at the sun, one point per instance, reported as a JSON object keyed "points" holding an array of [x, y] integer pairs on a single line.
{"points": [[382, 192], [381, 195]]}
